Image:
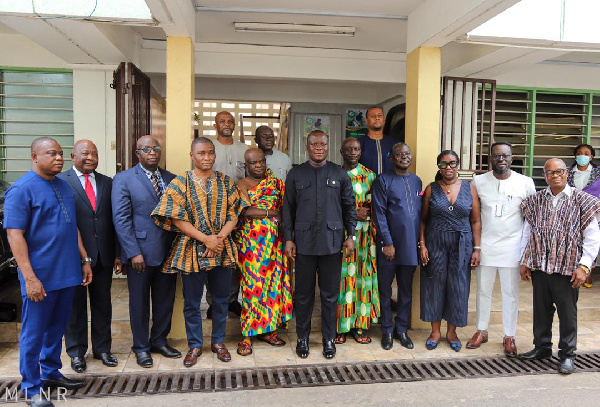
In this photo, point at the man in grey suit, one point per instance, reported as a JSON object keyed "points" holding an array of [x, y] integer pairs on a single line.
{"points": [[94, 221], [144, 247]]}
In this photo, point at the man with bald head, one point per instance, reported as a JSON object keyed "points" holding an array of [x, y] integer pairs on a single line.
{"points": [[41, 225], [277, 161], [560, 241], [229, 161], [94, 220], [144, 247], [266, 284]]}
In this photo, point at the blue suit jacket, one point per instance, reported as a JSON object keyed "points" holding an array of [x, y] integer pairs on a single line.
{"points": [[133, 200]]}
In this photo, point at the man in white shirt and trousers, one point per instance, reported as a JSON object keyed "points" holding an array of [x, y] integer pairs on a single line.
{"points": [[501, 192]]}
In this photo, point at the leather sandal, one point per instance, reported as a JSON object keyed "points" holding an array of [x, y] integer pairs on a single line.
{"points": [[360, 336], [245, 348], [340, 339], [222, 353], [271, 338]]}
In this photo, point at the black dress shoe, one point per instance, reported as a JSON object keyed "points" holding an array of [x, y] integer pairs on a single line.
{"points": [[536, 354], [65, 382], [404, 340], [236, 308], [567, 366], [107, 359], [144, 359], [78, 364], [40, 400], [302, 348], [387, 341], [166, 351], [328, 349]]}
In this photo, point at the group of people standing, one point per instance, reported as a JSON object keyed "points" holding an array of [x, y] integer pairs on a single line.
{"points": [[241, 217]]}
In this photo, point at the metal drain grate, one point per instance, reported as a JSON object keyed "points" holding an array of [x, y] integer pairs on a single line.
{"points": [[123, 384]]}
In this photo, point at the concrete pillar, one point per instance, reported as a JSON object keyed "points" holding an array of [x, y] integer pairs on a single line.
{"points": [[423, 71], [180, 98]]}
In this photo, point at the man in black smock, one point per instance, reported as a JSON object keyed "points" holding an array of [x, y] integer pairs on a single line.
{"points": [[318, 206]]}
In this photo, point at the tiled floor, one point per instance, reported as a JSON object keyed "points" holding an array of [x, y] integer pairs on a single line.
{"points": [[265, 355]]}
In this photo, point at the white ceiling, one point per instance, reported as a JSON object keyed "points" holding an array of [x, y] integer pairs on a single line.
{"points": [[372, 34], [388, 7]]}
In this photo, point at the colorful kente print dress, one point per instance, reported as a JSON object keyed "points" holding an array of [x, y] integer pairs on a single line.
{"points": [[266, 283], [358, 302]]}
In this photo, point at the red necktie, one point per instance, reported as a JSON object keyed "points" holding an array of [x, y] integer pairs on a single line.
{"points": [[89, 191]]}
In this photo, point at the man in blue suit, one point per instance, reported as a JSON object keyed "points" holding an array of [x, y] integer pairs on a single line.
{"points": [[144, 247]]}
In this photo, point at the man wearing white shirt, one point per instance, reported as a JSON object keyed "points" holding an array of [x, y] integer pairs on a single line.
{"points": [[560, 241], [277, 161], [501, 192]]}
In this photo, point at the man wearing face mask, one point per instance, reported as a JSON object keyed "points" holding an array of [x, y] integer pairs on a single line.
{"points": [[501, 192]]}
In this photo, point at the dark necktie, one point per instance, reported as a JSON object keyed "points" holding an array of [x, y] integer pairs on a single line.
{"points": [[154, 179]]}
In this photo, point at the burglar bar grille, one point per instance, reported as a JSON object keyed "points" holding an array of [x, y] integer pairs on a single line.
{"points": [[213, 380]]}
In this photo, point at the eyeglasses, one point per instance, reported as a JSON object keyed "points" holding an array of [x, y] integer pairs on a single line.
{"points": [[559, 172], [497, 157], [443, 164], [146, 150]]}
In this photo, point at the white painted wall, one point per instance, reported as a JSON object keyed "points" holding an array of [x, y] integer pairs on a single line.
{"points": [[94, 113], [553, 75], [19, 51]]}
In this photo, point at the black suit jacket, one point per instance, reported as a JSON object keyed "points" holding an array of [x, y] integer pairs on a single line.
{"points": [[96, 227], [317, 233]]}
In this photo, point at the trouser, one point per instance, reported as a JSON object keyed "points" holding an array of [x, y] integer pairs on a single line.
{"points": [[330, 271], [43, 326], [193, 288], [509, 284], [160, 287], [234, 289], [550, 290], [76, 337], [404, 277]]}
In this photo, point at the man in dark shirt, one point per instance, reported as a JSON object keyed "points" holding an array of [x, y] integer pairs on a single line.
{"points": [[317, 208], [376, 146]]}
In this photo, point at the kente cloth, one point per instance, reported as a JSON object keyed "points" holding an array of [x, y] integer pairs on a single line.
{"points": [[358, 301], [207, 207], [266, 281], [556, 238]]}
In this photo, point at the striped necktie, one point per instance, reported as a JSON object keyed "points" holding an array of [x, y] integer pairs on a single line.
{"points": [[155, 184]]}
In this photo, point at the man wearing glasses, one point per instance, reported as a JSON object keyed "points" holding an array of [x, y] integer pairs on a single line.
{"points": [[144, 247], [501, 192], [560, 241]]}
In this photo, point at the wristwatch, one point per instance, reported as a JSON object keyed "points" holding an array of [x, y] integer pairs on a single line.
{"points": [[354, 238], [86, 260], [585, 268]]}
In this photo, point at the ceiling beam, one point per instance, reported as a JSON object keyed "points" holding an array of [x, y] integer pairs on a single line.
{"points": [[436, 22], [176, 17]]}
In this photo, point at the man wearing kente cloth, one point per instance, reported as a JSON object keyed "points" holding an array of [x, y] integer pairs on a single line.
{"points": [[358, 301], [266, 287], [203, 206], [559, 243]]}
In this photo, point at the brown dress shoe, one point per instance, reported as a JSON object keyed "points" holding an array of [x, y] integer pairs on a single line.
{"points": [[192, 357], [510, 348], [221, 351], [478, 338]]}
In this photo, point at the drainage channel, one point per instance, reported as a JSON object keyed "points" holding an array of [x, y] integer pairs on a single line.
{"points": [[213, 380]]}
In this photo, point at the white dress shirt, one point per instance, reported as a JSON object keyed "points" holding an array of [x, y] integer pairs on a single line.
{"points": [[581, 178], [279, 163], [591, 234], [81, 178]]}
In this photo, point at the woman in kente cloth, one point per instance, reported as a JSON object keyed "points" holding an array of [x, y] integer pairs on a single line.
{"points": [[266, 283]]}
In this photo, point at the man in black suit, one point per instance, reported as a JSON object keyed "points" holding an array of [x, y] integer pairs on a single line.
{"points": [[94, 219], [318, 206], [144, 248]]}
